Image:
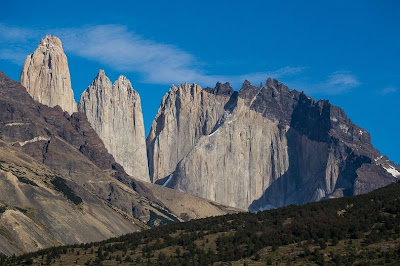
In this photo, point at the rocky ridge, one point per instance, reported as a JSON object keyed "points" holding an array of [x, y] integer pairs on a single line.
{"points": [[46, 77], [261, 147]]}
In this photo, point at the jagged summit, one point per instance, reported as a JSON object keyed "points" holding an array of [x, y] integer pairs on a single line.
{"points": [[101, 80], [259, 147], [51, 42], [46, 77], [115, 113], [221, 89], [125, 84], [122, 78], [100, 75]]}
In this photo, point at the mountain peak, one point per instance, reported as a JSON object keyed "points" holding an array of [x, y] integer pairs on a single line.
{"points": [[269, 82], [123, 78], [101, 80], [125, 84], [261, 150], [115, 113], [46, 77], [50, 42], [221, 89], [274, 83], [101, 73]]}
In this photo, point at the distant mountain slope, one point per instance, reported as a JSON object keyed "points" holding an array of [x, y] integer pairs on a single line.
{"points": [[39, 209], [261, 147], [354, 230]]}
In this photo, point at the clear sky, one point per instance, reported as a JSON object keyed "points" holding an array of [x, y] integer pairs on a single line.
{"points": [[345, 51]]}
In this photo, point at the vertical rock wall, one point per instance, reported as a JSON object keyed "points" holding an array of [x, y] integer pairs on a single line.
{"points": [[46, 77], [115, 113]]}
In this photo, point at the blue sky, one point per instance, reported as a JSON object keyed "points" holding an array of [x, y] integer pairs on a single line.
{"points": [[344, 51]]}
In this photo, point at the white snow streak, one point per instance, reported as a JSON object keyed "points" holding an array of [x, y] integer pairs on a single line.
{"points": [[22, 143], [213, 133], [391, 170], [15, 124], [169, 179]]}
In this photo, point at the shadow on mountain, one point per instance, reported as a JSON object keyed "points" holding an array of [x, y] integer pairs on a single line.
{"points": [[299, 183], [311, 151]]}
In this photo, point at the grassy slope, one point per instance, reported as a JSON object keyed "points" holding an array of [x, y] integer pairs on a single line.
{"points": [[351, 230]]}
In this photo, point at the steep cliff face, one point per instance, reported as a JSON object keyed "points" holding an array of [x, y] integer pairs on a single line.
{"points": [[46, 77], [115, 113], [265, 147], [187, 112]]}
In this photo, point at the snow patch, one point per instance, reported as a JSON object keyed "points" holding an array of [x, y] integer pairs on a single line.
{"points": [[378, 158], [169, 179], [344, 128], [391, 170], [334, 119], [264, 208], [35, 139], [15, 124], [212, 133]]}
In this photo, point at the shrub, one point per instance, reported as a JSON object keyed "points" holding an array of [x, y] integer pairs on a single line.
{"points": [[61, 186]]}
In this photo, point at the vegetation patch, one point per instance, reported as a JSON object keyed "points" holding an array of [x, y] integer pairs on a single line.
{"points": [[184, 216], [167, 214], [367, 232], [158, 219], [26, 181], [61, 186], [24, 211]]}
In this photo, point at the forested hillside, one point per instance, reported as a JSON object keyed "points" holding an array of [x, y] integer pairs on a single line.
{"points": [[350, 230]]}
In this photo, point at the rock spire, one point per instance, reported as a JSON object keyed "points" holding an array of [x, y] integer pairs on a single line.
{"points": [[115, 113], [46, 77]]}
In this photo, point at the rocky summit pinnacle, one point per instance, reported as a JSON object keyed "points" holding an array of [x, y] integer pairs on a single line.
{"points": [[45, 75], [115, 113]]}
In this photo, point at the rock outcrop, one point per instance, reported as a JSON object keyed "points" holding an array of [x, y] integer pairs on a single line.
{"points": [[115, 113], [46, 76], [261, 147]]}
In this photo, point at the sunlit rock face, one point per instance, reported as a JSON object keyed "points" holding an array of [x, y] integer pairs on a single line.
{"points": [[45, 75], [187, 113], [260, 147], [115, 113]]}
